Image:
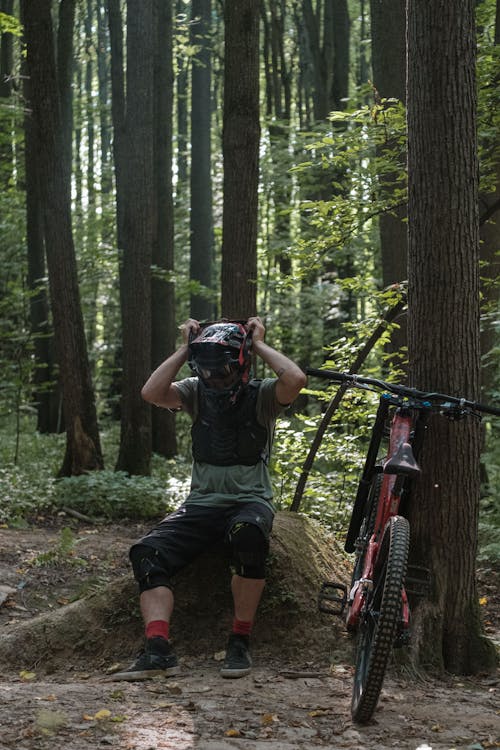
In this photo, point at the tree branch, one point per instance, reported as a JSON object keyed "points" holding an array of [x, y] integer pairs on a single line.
{"points": [[388, 318]]}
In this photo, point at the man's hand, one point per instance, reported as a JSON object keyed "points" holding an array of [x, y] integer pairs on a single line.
{"points": [[256, 328], [190, 327], [290, 377]]}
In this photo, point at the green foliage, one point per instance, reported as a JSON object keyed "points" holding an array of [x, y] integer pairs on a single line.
{"points": [[365, 147], [116, 496], [489, 513], [62, 552], [29, 488], [10, 25], [488, 76]]}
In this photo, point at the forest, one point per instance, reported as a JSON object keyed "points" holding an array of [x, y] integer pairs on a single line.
{"points": [[332, 166]]}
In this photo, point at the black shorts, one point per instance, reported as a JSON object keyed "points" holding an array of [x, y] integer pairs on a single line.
{"points": [[192, 529]]}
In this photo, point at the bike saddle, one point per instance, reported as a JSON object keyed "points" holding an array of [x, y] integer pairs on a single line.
{"points": [[402, 462]]}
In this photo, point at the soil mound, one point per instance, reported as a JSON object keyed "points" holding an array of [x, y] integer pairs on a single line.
{"points": [[106, 626]]}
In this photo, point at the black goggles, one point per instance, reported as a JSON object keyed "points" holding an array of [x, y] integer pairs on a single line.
{"points": [[218, 372]]}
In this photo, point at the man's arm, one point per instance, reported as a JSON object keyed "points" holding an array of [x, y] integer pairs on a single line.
{"points": [[291, 379], [159, 388]]}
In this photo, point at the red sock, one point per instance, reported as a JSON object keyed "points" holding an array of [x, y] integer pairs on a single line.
{"points": [[157, 629], [241, 627]]}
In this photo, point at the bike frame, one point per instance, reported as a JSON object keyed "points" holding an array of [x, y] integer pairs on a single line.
{"points": [[401, 432]]}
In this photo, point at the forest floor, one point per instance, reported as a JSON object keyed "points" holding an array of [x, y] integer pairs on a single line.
{"points": [[294, 698]]}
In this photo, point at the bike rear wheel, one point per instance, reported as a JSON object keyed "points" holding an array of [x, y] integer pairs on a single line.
{"points": [[380, 619]]}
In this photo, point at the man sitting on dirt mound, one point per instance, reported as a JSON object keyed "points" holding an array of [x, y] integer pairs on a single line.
{"points": [[231, 496]]}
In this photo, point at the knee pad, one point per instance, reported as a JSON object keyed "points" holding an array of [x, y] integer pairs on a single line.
{"points": [[249, 548], [149, 569]]}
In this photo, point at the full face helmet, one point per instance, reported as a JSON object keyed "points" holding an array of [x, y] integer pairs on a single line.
{"points": [[220, 357]]}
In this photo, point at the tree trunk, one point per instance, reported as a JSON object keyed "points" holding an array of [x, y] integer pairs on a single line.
{"points": [[341, 39], [444, 326], [83, 451], [64, 80], [201, 222], [241, 135], [162, 291], [46, 395], [139, 219], [182, 113], [388, 29]]}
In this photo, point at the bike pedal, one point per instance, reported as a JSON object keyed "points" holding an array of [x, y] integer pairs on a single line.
{"points": [[418, 580], [332, 598]]}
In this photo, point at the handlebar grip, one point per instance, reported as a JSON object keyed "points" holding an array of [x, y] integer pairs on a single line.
{"points": [[487, 409], [337, 377]]}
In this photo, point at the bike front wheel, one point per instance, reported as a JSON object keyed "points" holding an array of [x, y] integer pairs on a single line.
{"points": [[380, 619]]}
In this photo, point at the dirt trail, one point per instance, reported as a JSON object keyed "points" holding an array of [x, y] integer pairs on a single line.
{"points": [[292, 699]]}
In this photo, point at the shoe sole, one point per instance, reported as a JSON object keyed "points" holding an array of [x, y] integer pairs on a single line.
{"points": [[234, 673], [145, 674]]}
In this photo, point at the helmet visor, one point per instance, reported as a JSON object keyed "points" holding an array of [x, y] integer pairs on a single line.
{"points": [[214, 371]]}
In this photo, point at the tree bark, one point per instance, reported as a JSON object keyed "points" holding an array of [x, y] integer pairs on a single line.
{"points": [[83, 450], [388, 30], [162, 291], [241, 136], [201, 221], [139, 220], [444, 326]]}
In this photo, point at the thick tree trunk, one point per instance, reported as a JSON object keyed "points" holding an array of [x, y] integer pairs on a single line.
{"points": [[201, 222], [139, 219], [241, 137], [162, 291], [444, 325], [46, 393], [64, 81], [388, 28], [83, 450]]}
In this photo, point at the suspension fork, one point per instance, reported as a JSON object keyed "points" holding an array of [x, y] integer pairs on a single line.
{"points": [[369, 470]]}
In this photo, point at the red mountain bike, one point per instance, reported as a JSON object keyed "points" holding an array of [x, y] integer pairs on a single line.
{"points": [[376, 605]]}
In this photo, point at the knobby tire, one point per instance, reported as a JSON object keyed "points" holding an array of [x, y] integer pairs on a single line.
{"points": [[378, 627]]}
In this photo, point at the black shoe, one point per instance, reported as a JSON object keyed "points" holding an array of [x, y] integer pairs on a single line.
{"points": [[238, 661], [157, 659]]}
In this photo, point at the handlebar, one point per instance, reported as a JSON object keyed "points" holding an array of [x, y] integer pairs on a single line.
{"points": [[360, 381]]}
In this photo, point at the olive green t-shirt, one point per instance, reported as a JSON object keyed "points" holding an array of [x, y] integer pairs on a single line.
{"points": [[224, 485]]}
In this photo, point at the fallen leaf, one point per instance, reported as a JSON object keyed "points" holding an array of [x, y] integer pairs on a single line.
{"points": [[119, 718], [268, 719], [25, 675], [483, 600], [319, 712], [232, 733], [220, 656], [104, 713]]}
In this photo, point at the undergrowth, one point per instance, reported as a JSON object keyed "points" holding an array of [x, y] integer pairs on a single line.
{"points": [[30, 491]]}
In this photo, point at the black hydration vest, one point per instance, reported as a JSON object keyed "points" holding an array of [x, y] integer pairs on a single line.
{"points": [[230, 437]]}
